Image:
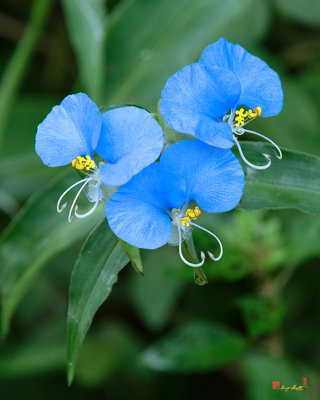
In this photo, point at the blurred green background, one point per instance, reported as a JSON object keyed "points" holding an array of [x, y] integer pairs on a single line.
{"points": [[161, 336]]}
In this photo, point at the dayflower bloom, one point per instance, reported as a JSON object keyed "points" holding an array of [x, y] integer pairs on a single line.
{"points": [[215, 98], [153, 208], [127, 139]]}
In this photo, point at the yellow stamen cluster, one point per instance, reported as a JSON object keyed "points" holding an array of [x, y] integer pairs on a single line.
{"points": [[191, 214], [240, 116], [257, 112], [80, 163], [250, 114]]}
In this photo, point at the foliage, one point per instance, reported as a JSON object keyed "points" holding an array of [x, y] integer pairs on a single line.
{"points": [[254, 322]]}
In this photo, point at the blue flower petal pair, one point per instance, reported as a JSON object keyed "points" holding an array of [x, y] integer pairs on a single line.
{"points": [[196, 100], [129, 138], [144, 211]]}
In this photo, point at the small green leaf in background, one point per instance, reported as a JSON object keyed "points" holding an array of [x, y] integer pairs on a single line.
{"points": [[87, 23], [94, 274], [293, 182], [260, 250], [35, 234], [262, 315], [134, 254], [195, 347]]}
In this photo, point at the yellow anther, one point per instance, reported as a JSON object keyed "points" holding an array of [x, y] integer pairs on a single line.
{"points": [[241, 115], [257, 112], [185, 221], [197, 211], [191, 214], [80, 163]]}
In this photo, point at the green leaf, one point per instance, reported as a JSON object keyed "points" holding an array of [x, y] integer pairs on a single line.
{"points": [[34, 235], [307, 11], [293, 182], [262, 248], [134, 254], [164, 37], [94, 274], [197, 346], [156, 295], [86, 20]]}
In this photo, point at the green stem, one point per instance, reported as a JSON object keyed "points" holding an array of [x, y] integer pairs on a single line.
{"points": [[16, 66], [189, 249]]}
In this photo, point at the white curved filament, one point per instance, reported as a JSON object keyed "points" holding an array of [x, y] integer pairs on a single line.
{"points": [[217, 239], [182, 257], [92, 208], [76, 198], [279, 155], [59, 208], [266, 156]]}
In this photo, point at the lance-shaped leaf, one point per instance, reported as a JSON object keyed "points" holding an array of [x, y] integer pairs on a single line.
{"points": [[34, 235], [94, 274], [293, 182]]}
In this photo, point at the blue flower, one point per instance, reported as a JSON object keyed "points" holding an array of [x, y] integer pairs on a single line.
{"points": [[152, 209], [203, 99], [127, 138]]}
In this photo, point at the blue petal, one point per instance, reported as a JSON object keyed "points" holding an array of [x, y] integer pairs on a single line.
{"points": [[194, 101], [215, 133], [130, 140], [214, 177], [137, 211], [70, 130], [261, 86]]}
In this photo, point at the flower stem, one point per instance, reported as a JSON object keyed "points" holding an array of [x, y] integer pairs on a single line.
{"points": [[189, 249]]}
